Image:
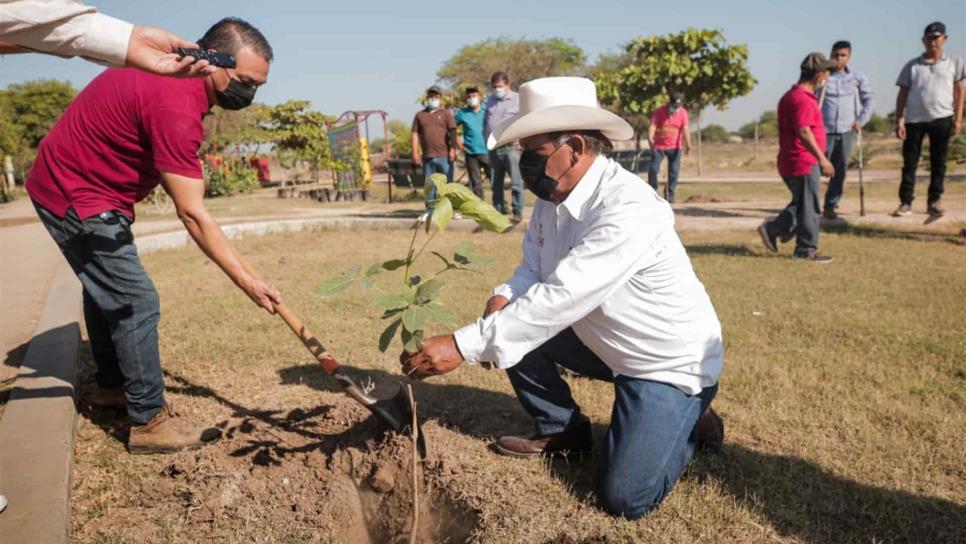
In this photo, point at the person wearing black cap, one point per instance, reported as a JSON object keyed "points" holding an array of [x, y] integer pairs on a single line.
{"points": [[667, 135], [801, 161], [930, 102], [434, 138]]}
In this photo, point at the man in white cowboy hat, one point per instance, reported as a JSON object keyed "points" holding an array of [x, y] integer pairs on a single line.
{"points": [[605, 289]]}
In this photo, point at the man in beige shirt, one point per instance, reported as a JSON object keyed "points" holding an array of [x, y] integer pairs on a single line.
{"points": [[68, 28]]}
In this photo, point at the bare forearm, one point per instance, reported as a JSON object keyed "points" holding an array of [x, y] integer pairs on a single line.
{"points": [[901, 104], [958, 102], [810, 143], [212, 241]]}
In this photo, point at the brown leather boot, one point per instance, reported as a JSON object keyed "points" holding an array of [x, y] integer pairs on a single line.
{"points": [[575, 441], [168, 432], [104, 397], [709, 431]]}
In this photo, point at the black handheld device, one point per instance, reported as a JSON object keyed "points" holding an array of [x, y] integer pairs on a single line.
{"points": [[221, 60]]}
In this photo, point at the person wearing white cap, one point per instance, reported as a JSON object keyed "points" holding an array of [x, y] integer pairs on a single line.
{"points": [[605, 289]]}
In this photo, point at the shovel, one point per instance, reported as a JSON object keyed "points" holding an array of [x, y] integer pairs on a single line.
{"points": [[395, 412]]}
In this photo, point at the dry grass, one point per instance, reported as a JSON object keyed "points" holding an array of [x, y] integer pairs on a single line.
{"points": [[843, 396]]}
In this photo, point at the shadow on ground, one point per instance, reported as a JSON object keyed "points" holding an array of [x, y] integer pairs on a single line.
{"points": [[797, 497], [731, 250], [874, 231]]}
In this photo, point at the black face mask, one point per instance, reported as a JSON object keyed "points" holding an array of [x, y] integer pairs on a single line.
{"points": [[533, 170], [236, 95]]}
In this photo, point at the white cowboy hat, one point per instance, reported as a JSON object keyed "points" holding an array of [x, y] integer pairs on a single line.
{"points": [[556, 104]]}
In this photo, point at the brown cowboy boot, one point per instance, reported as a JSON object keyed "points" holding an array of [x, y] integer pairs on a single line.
{"points": [[108, 397], [575, 440], [709, 431], [168, 432]]}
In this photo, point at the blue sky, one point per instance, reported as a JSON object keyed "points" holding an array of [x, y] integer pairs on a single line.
{"points": [[381, 54]]}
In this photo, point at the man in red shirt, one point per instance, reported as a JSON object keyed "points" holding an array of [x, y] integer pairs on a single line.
{"points": [[124, 134], [668, 134], [801, 160]]}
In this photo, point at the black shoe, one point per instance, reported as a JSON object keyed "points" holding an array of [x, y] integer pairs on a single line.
{"points": [[829, 213], [517, 218], [902, 211], [767, 238], [814, 256], [935, 210]]}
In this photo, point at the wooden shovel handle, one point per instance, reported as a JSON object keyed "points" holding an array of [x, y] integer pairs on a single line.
{"points": [[313, 344]]}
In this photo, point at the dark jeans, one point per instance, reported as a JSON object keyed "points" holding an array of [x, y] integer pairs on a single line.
{"points": [[800, 218], [838, 150], [435, 165], [939, 131], [503, 160], [475, 165], [651, 435], [121, 306], [673, 168]]}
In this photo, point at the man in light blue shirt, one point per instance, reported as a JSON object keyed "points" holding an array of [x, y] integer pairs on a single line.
{"points": [[473, 145], [500, 106], [846, 109]]}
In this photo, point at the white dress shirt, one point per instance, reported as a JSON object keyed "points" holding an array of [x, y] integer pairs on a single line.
{"points": [[65, 27], [607, 262]]}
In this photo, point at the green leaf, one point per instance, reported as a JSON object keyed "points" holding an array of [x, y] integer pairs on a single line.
{"points": [[333, 286], [394, 264], [443, 213], [387, 335], [485, 215], [437, 313], [465, 252], [390, 301], [412, 340], [427, 291], [414, 318], [366, 283]]}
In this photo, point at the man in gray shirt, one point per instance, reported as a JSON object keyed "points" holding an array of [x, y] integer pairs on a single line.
{"points": [[930, 102], [504, 104]]}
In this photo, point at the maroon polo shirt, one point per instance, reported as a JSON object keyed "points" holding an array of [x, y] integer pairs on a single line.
{"points": [[798, 108], [108, 149]]}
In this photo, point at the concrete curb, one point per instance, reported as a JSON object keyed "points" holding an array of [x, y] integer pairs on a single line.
{"points": [[37, 428]]}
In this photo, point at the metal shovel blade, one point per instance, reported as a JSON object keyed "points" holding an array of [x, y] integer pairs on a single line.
{"points": [[396, 412]]}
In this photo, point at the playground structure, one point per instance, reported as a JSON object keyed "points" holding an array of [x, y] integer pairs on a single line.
{"points": [[352, 168]]}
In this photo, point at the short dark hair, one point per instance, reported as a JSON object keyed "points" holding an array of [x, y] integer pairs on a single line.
{"points": [[807, 75], [841, 44], [597, 143], [471, 89], [230, 34], [499, 77]]}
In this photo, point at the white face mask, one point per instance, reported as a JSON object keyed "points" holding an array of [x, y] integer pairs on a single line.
{"points": [[473, 101], [433, 103], [500, 92]]}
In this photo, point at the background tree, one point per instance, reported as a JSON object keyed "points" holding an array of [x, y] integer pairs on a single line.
{"points": [[27, 112], [609, 63], [767, 126], [700, 63], [715, 133], [400, 141], [521, 59], [879, 124], [299, 134], [226, 128]]}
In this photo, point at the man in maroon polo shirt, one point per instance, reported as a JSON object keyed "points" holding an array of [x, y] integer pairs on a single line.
{"points": [[124, 134], [801, 161]]}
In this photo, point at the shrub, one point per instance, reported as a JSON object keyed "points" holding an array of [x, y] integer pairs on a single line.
{"points": [[229, 179]]}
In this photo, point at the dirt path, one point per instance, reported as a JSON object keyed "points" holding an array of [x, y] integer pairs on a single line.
{"points": [[29, 259]]}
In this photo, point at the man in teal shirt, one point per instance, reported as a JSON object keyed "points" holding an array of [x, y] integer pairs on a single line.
{"points": [[473, 145]]}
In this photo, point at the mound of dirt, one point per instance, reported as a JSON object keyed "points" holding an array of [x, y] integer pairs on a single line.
{"points": [[322, 473]]}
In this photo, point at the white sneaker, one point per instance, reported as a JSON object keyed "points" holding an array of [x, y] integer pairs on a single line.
{"points": [[3, 503]]}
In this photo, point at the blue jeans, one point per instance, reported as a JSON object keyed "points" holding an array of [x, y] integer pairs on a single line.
{"points": [[121, 305], [800, 218], [673, 168], [838, 150], [436, 165], [503, 160], [651, 436]]}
